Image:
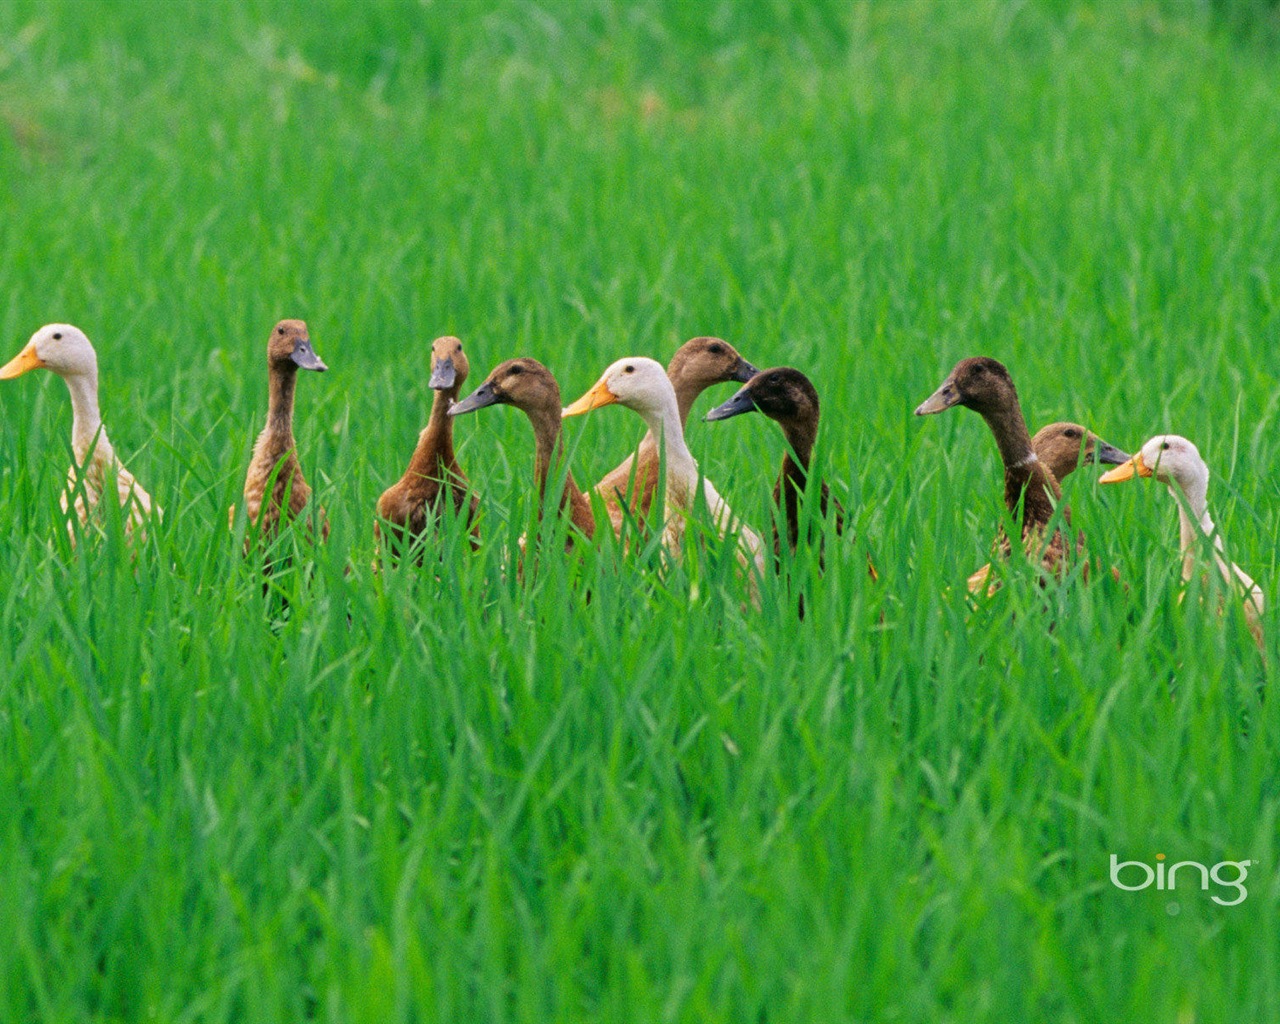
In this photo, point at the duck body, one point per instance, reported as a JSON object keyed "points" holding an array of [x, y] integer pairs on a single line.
{"points": [[275, 489], [433, 477], [1176, 462], [532, 388], [96, 469], [640, 384], [697, 365]]}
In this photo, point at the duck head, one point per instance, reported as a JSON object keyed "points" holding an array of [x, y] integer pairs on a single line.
{"points": [[782, 394], [1167, 457], [524, 383], [58, 347], [978, 383], [449, 366], [701, 362], [290, 346], [638, 383], [1064, 446]]}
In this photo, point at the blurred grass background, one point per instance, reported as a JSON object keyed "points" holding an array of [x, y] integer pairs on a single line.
{"points": [[454, 795]]}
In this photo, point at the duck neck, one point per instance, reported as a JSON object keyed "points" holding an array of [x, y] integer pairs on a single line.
{"points": [[1026, 479], [668, 434], [547, 446], [1192, 496], [283, 380], [86, 424], [435, 446]]}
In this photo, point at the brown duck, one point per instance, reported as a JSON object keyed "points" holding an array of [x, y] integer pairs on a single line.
{"points": [[697, 365], [788, 398], [1063, 447], [275, 457], [532, 388], [1031, 490], [433, 475]]}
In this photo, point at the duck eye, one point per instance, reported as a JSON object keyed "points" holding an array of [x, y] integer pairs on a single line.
{"points": [[628, 369], [517, 369], [1073, 433], [459, 348], [1164, 447], [57, 336], [716, 349]]}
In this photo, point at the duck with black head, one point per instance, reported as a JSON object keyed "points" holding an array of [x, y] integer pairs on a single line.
{"points": [[274, 464], [433, 476], [64, 350], [787, 396]]}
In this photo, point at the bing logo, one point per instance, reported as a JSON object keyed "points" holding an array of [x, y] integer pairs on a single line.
{"points": [[1133, 875]]}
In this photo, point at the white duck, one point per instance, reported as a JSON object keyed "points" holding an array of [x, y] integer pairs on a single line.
{"points": [[1174, 460], [641, 385], [67, 352]]}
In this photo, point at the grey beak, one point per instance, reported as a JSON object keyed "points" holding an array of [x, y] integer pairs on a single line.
{"points": [[1109, 454], [744, 371], [735, 406], [305, 356], [443, 375], [482, 396], [944, 398]]}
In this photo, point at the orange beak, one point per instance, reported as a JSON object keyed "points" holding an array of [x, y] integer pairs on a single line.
{"points": [[593, 399], [1134, 467], [21, 363]]}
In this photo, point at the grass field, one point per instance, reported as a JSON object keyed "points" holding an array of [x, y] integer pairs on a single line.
{"points": [[451, 795]]}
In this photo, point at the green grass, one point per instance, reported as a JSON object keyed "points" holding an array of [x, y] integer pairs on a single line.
{"points": [[449, 794]]}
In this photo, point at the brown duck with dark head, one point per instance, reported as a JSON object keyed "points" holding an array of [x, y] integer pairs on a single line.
{"points": [[433, 476], [697, 365], [788, 398], [275, 457], [532, 388], [1030, 487]]}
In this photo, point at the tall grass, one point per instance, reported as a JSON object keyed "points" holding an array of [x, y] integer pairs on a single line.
{"points": [[611, 789]]}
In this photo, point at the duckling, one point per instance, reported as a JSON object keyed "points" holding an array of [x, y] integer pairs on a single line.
{"points": [[1176, 462], [275, 457], [697, 365], [788, 398], [531, 388], [67, 352], [433, 474], [984, 385], [1062, 447], [641, 385]]}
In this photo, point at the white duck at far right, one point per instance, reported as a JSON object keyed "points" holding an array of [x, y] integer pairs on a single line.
{"points": [[1176, 462]]}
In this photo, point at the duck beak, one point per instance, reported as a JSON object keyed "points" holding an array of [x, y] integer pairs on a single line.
{"points": [[21, 363], [1109, 454], [443, 374], [736, 406], [482, 396], [744, 371], [593, 399], [305, 356], [944, 398], [1133, 467]]}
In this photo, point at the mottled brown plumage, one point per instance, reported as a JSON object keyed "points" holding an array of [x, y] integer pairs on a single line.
{"points": [[433, 475], [532, 388], [697, 365], [275, 458]]}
